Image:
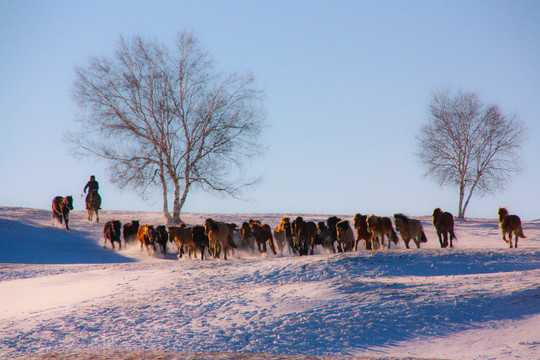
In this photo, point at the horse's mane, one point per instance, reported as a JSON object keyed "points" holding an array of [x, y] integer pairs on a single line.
{"points": [[402, 217]]}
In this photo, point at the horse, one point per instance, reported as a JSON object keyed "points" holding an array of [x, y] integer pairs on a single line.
{"points": [[410, 229], [331, 223], [146, 234], [381, 226], [93, 204], [263, 233], [161, 237], [444, 224], [509, 224], [283, 233], [219, 235], [183, 237], [111, 232], [60, 208], [130, 231], [248, 239], [345, 236], [324, 236], [200, 238], [305, 234], [362, 233]]}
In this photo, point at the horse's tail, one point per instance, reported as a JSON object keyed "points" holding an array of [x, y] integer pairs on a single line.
{"points": [[452, 235], [519, 233], [423, 237]]}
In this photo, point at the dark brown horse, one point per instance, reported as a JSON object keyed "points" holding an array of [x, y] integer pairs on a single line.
{"points": [[263, 233], [444, 224], [60, 208], [509, 224], [345, 236], [112, 231], [93, 204], [305, 235]]}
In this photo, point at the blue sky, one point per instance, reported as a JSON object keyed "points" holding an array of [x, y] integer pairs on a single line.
{"points": [[347, 84]]}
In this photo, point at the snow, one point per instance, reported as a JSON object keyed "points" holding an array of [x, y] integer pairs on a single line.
{"points": [[63, 294]]}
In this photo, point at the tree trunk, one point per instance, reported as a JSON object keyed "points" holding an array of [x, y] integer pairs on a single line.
{"points": [[461, 211], [165, 198], [176, 207]]}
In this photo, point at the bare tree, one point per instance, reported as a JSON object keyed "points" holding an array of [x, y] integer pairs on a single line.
{"points": [[167, 118], [468, 145]]}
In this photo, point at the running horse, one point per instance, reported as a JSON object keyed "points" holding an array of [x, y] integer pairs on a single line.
{"points": [[93, 204], [509, 224], [61, 207], [444, 224]]}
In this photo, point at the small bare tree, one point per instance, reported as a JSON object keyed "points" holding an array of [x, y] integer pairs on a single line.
{"points": [[468, 145], [166, 118]]}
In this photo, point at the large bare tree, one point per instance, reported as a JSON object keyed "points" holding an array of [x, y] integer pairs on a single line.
{"points": [[164, 117], [469, 145]]}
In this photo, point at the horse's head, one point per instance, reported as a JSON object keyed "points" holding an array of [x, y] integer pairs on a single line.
{"points": [[502, 213], [371, 221], [68, 201], [358, 220], [436, 213]]}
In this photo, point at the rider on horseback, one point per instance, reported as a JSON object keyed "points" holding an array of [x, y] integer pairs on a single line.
{"points": [[91, 185]]}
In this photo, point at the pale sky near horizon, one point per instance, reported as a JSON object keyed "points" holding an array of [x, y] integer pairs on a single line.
{"points": [[347, 85]]}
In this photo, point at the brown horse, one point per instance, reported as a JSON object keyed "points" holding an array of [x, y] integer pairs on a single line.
{"points": [[345, 236], [263, 233], [362, 233], [219, 235], [182, 236], [93, 204], [60, 208], [410, 229], [444, 224], [283, 234], [509, 224], [381, 226], [146, 234]]}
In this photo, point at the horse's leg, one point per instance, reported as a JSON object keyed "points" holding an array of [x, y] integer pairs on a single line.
{"points": [[89, 215], [97, 216], [510, 239], [407, 242], [445, 242], [439, 234], [66, 220], [272, 246], [516, 237], [504, 236]]}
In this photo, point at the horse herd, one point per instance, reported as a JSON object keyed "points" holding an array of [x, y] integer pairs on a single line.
{"points": [[299, 236]]}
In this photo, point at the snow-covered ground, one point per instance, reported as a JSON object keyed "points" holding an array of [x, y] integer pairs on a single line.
{"points": [[62, 294]]}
